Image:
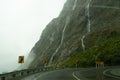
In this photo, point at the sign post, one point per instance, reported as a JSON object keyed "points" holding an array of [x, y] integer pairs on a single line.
{"points": [[99, 67], [57, 63], [44, 61], [21, 59]]}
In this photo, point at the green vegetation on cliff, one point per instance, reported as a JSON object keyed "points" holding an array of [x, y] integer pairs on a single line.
{"points": [[108, 50]]}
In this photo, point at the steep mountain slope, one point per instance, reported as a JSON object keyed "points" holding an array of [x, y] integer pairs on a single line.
{"points": [[81, 25], [107, 50]]}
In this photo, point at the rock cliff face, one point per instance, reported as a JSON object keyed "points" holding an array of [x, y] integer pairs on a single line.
{"points": [[77, 29]]}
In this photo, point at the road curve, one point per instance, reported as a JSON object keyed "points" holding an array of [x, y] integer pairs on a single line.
{"points": [[67, 74], [64, 74]]}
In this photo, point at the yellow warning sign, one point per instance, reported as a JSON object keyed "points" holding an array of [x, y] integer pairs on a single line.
{"points": [[44, 61], [21, 59], [100, 62]]}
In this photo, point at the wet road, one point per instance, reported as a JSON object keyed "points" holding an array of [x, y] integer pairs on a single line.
{"points": [[65, 74]]}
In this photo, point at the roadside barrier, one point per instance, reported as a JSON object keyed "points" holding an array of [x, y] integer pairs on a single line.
{"points": [[25, 72]]}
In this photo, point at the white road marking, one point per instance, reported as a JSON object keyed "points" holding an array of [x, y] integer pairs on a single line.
{"points": [[75, 76]]}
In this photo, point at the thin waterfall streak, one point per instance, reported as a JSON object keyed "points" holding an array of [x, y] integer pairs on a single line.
{"points": [[74, 6], [88, 24], [63, 32], [82, 40], [88, 16], [109, 7], [51, 59]]}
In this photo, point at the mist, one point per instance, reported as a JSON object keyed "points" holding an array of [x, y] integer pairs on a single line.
{"points": [[21, 24]]}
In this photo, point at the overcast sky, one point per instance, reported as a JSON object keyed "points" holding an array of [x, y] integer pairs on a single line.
{"points": [[21, 23]]}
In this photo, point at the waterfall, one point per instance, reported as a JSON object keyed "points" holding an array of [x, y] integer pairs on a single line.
{"points": [[51, 38], [88, 16], [61, 42], [87, 13], [82, 40], [51, 59], [74, 6], [67, 20]]}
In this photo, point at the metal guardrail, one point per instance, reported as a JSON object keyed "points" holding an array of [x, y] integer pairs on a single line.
{"points": [[25, 72]]}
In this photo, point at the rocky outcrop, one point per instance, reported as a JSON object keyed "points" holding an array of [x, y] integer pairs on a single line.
{"points": [[73, 31]]}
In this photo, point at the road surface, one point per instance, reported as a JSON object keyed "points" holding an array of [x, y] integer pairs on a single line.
{"points": [[66, 74]]}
